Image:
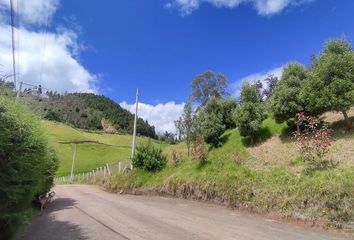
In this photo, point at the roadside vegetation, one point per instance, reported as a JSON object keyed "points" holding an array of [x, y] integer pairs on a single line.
{"points": [[27, 164], [277, 149]]}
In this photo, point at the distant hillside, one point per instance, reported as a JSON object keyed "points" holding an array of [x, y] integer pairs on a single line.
{"points": [[87, 111], [95, 149]]}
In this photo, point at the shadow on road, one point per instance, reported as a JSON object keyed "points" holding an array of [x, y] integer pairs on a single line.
{"points": [[45, 226]]}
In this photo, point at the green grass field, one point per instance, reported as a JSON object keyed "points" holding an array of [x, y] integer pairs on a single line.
{"points": [[112, 147]]}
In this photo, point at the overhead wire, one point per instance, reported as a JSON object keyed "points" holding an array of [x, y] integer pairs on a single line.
{"points": [[44, 44], [18, 38], [13, 42]]}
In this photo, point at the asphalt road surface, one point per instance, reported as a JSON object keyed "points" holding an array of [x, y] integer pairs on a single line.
{"points": [[87, 212]]}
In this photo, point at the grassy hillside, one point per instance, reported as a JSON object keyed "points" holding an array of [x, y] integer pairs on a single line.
{"points": [[86, 111], [109, 149], [266, 177]]}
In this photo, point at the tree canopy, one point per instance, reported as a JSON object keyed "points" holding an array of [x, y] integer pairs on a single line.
{"points": [[285, 101], [249, 116], [330, 83], [208, 85]]}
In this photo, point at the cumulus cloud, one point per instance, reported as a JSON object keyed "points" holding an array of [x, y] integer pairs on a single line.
{"points": [[46, 58], [263, 7], [162, 116], [236, 86], [36, 12]]}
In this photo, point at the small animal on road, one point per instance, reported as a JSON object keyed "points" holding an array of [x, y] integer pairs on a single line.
{"points": [[45, 199]]}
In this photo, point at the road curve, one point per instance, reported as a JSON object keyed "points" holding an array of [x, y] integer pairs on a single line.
{"points": [[86, 212]]}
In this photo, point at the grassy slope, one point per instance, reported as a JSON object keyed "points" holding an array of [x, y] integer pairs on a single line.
{"points": [[327, 195], [88, 156]]}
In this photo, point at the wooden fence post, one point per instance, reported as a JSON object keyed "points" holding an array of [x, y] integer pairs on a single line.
{"points": [[108, 170]]}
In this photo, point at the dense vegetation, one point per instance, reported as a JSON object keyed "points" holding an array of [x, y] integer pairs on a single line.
{"points": [[27, 164], [87, 111]]}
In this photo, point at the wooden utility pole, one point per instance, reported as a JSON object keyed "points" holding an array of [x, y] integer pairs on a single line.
{"points": [[135, 120], [19, 91], [73, 163]]}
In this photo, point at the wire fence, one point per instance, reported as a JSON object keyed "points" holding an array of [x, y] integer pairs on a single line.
{"points": [[107, 170]]}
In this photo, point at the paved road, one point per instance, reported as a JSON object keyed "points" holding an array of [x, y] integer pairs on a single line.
{"points": [[86, 212]]}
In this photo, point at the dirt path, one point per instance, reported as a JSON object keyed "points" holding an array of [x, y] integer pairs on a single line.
{"points": [[86, 212]]}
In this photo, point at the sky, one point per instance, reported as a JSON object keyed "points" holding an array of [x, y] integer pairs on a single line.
{"points": [[112, 47]]}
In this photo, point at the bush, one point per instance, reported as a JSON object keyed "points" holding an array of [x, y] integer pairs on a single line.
{"points": [[200, 150], [313, 141], [211, 127], [149, 158], [27, 164], [176, 157]]}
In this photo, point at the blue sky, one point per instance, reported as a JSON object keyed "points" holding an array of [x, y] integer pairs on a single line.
{"points": [[112, 47], [141, 43]]}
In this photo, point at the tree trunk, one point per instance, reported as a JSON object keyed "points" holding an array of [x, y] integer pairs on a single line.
{"points": [[188, 148], [347, 120]]}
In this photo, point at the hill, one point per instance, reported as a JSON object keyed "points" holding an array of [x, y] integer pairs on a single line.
{"points": [[95, 148], [87, 111], [266, 177]]}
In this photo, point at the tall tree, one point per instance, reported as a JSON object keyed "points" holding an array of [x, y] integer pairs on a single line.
{"points": [[249, 116], [272, 82], [186, 125], [208, 85], [285, 101], [330, 85]]}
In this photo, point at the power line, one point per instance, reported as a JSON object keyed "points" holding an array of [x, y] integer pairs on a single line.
{"points": [[18, 36], [44, 44]]}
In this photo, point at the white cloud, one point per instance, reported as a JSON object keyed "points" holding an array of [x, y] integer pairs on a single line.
{"points": [[263, 7], [162, 116], [36, 12], [236, 86], [46, 58]]}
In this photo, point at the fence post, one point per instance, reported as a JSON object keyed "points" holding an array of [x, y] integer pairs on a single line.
{"points": [[119, 167], [108, 170]]}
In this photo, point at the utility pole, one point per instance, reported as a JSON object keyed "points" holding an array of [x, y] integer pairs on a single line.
{"points": [[135, 120], [19, 91], [13, 41], [72, 163]]}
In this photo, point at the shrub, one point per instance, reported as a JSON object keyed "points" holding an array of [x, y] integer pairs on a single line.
{"points": [[313, 141], [149, 158], [211, 127], [176, 158], [200, 150], [27, 164]]}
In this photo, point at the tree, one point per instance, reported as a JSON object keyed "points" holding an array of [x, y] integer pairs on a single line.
{"points": [[272, 82], [330, 85], [285, 101], [208, 85], [259, 87], [228, 105], [186, 125], [211, 126], [223, 108], [249, 116]]}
